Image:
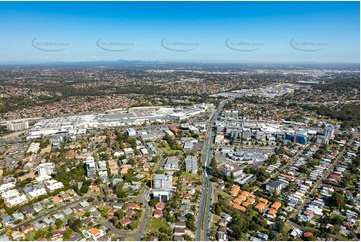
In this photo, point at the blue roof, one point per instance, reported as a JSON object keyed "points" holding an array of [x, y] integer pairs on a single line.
{"points": [[7, 218], [27, 190]]}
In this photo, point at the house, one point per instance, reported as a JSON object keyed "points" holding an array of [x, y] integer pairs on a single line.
{"points": [[307, 234], [158, 213], [110, 213], [185, 201], [223, 228], [27, 210], [260, 207], [28, 228], [108, 191], [152, 238], [75, 237], [76, 208], [27, 190], [118, 206], [84, 204], [263, 200], [251, 200], [239, 208], [245, 193], [97, 204], [146, 167], [57, 234], [94, 188], [48, 221], [296, 232], [187, 196], [276, 205], [174, 129], [67, 211], [133, 206], [274, 186], [103, 238], [7, 220], [178, 238], [39, 225], [240, 199], [67, 197], [182, 218], [272, 212], [18, 216], [178, 231], [129, 213], [180, 225], [50, 205], [262, 235], [58, 216], [188, 145], [221, 236], [128, 151], [184, 213], [245, 204], [37, 207], [96, 233], [160, 205], [87, 221], [125, 222], [235, 190], [17, 235], [95, 214], [57, 200]]}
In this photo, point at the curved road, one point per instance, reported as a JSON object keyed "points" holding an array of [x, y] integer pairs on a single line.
{"points": [[137, 235]]}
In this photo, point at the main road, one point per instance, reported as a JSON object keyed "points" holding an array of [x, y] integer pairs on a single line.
{"points": [[205, 202]]}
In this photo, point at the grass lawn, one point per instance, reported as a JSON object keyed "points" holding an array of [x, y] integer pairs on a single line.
{"points": [[29, 236], [218, 192], [165, 147], [154, 224], [46, 150], [129, 238], [215, 218], [170, 152], [287, 227], [190, 176], [332, 215]]}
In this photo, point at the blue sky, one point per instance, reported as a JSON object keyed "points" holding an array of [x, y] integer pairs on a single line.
{"points": [[180, 31]]}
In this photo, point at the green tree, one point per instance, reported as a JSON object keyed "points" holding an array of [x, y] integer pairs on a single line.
{"points": [[153, 202], [58, 223], [187, 237], [128, 177], [337, 200], [218, 209], [67, 234], [74, 224], [120, 214], [84, 188]]}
